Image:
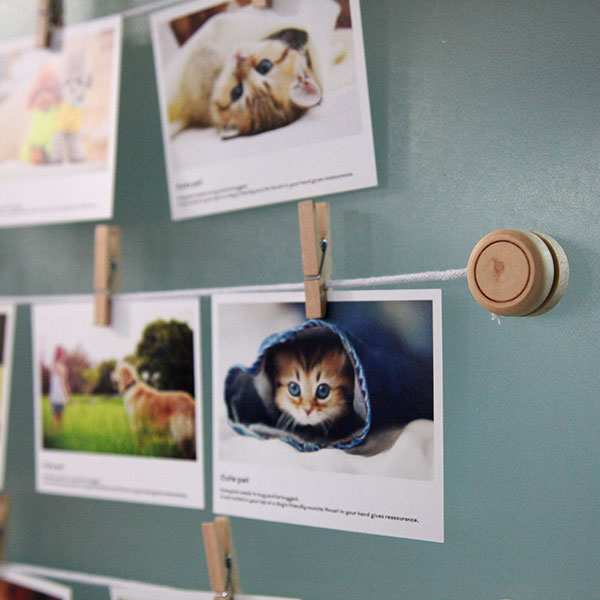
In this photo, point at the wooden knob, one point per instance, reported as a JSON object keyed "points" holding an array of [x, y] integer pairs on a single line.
{"points": [[514, 272]]}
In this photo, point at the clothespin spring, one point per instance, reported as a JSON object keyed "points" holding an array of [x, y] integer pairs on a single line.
{"points": [[228, 593], [323, 245], [114, 263], [108, 290]]}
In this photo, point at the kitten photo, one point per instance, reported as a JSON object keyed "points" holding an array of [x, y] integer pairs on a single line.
{"points": [[260, 86], [352, 383], [313, 386]]}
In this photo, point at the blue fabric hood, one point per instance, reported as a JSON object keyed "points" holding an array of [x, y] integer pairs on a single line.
{"points": [[249, 395]]}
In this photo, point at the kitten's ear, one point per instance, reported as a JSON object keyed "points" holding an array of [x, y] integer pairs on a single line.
{"points": [[229, 131], [294, 38], [305, 92]]}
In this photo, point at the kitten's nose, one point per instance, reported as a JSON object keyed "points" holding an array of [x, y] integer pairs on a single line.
{"points": [[308, 410]]}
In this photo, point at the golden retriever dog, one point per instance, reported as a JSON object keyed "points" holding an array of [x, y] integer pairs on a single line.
{"points": [[154, 412]]}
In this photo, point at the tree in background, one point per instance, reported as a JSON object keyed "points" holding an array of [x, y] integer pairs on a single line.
{"points": [[103, 383], [165, 355], [78, 367], [45, 380]]}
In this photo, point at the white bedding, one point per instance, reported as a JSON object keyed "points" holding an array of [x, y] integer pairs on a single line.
{"points": [[410, 455], [338, 115]]}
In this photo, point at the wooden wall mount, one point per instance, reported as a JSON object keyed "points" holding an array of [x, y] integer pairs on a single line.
{"points": [[518, 273]]}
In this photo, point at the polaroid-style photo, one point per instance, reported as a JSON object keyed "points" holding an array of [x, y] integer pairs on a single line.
{"points": [[262, 105], [118, 409], [16, 586], [58, 116], [332, 422], [152, 592], [7, 335]]}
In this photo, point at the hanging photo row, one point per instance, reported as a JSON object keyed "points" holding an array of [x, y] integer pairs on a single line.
{"points": [[334, 422], [257, 106]]}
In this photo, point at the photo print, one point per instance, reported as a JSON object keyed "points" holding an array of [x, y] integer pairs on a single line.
{"points": [[17, 586], [154, 592], [262, 105], [58, 115], [333, 422], [118, 409], [7, 335]]}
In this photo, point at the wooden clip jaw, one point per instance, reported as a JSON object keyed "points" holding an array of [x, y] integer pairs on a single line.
{"points": [[220, 558], [315, 244], [49, 24], [261, 3], [107, 248]]}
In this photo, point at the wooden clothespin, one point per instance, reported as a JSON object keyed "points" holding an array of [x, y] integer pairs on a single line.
{"points": [[261, 3], [49, 24], [315, 243], [4, 511], [107, 256], [220, 558]]}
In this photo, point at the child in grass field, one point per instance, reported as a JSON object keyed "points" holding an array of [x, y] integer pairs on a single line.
{"points": [[59, 385]]}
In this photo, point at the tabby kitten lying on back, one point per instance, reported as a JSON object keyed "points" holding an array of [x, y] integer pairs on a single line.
{"points": [[313, 386], [261, 86]]}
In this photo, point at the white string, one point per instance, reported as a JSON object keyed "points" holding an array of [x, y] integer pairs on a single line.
{"points": [[447, 275], [425, 276]]}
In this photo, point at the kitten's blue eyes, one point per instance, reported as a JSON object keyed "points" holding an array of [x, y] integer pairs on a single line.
{"points": [[294, 388], [237, 92], [264, 66], [322, 391]]}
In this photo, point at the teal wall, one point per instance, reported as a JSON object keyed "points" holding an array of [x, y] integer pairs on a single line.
{"points": [[485, 115]]}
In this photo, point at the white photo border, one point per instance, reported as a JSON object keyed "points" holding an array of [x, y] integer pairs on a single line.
{"points": [[35, 584], [9, 311]]}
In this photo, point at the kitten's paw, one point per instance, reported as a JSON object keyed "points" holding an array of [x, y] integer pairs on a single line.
{"points": [[228, 132]]}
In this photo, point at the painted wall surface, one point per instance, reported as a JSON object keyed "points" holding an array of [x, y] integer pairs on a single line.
{"points": [[485, 115]]}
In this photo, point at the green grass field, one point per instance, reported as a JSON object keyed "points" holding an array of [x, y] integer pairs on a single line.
{"points": [[99, 424]]}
